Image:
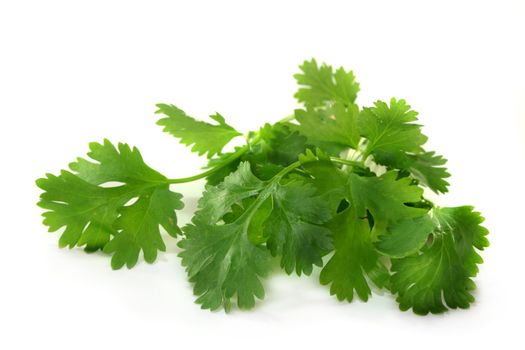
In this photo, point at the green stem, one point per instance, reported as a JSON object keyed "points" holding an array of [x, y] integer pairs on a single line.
{"points": [[243, 150], [287, 118], [208, 172], [227, 160], [194, 177], [348, 162], [261, 197], [267, 190], [297, 164]]}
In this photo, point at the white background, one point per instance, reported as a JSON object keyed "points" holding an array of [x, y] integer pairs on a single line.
{"points": [[73, 72]]}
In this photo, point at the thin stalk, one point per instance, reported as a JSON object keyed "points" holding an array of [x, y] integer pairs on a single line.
{"points": [[208, 172], [287, 118], [194, 177], [277, 177], [227, 160], [353, 163], [265, 193]]}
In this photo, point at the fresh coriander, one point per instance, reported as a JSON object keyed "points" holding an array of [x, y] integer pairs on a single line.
{"points": [[310, 190]]}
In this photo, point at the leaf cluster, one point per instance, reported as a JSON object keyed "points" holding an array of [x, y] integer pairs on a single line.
{"points": [[334, 186]]}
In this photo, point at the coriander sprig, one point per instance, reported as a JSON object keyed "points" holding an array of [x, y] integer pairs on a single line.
{"points": [[332, 185]]}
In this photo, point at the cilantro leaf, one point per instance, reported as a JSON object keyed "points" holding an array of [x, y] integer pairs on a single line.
{"points": [[97, 217], [122, 164], [218, 200], [396, 142], [441, 274], [385, 197], [223, 263], [390, 128], [336, 125], [406, 237], [205, 137], [276, 146], [286, 216], [355, 255], [223, 165], [294, 227], [87, 211], [281, 144], [320, 84], [138, 227], [219, 258], [355, 259], [329, 181], [427, 168]]}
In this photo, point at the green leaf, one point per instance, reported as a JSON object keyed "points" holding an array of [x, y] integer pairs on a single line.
{"points": [[406, 237], [224, 166], [396, 142], [256, 233], [335, 125], [313, 156], [287, 216], [219, 258], [385, 197], [355, 259], [138, 227], [294, 227], [390, 128], [442, 273], [329, 181], [222, 263], [281, 144], [427, 168], [321, 85], [277, 146], [87, 211], [97, 217], [218, 200], [205, 137], [111, 164]]}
